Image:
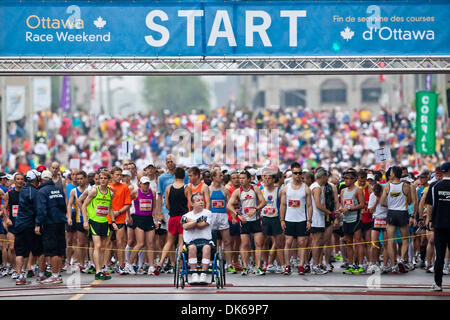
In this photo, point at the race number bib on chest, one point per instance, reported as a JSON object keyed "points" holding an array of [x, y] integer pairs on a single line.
{"points": [[218, 203], [269, 211], [348, 202], [15, 210], [145, 204], [379, 223], [247, 210], [102, 210], [294, 203]]}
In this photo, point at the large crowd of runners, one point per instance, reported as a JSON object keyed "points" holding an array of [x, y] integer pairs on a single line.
{"points": [[126, 221]]}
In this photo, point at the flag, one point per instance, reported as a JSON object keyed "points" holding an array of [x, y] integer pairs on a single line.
{"points": [[92, 87], [66, 100], [382, 64], [426, 108]]}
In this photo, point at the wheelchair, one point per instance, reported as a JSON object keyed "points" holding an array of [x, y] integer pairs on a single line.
{"points": [[216, 268]]}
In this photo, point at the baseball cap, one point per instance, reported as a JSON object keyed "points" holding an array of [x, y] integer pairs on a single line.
{"points": [[252, 171], [370, 176], [41, 168], [445, 167], [149, 165], [3, 175], [126, 173], [424, 174], [32, 175], [9, 177], [145, 179], [46, 175]]}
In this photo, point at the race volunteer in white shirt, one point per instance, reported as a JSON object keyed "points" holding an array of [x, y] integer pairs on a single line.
{"points": [[197, 234], [295, 202]]}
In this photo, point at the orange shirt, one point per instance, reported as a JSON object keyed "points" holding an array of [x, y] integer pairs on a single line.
{"points": [[121, 198], [197, 189]]}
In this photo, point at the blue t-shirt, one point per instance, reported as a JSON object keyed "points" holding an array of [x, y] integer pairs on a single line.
{"points": [[69, 188], [165, 180]]}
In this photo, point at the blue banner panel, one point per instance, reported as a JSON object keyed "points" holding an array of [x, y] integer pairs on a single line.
{"points": [[216, 28]]}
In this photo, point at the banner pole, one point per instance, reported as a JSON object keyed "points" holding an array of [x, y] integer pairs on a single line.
{"points": [[4, 124]]}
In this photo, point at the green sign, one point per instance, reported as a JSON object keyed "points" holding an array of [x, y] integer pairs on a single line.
{"points": [[426, 105]]}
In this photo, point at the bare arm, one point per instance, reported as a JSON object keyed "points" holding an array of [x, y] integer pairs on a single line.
{"points": [[234, 198], [69, 206], [167, 198], [384, 196], [283, 204], [86, 202], [205, 191], [316, 198]]}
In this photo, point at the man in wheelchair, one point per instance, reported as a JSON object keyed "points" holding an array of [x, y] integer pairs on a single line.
{"points": [[197, 235]]}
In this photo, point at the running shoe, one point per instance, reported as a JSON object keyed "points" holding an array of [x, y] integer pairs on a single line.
{"points": [[279, 270], [349, 270], [91, 269], [238, 267], [101, 276], [231, 270], [301, 270], [122, 271], [244, 272], [318, 270], [385, 270], [307, 268], [260, 272], [338, 257], [195, 278], [140, 271], [52, 280], [153, 271], [395, 269], [5, 272], [446, 271], [14, 275], [329, 267], [359, 270], [287, 270], [409, 266], [21, 280], [146, 267], [202, 278], [435, 287], [271, 268], [128, 269], [30, 274], [401, 267], [345, 265]]}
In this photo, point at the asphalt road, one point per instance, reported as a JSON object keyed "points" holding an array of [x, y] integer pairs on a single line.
{"points": [[332, 286]]}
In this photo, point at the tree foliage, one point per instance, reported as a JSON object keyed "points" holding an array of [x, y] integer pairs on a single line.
{"points": [[176, 93]]}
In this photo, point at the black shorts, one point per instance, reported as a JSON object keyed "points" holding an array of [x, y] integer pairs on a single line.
{"points": [[27, 241], [54, 239], [316, 230], [134, 224], [339, 232], [251, 227], [366, 225], [73, 227], [80, 227], [271, 226], [160, 231], [351, 228], [200, 243], [296, 229], [329, 220], [113, 232], [144, 223], [397, 218], [98, 229], [235, 229]]}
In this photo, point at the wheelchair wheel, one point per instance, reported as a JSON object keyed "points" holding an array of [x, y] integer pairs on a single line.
{"points": [[222, 267], [182, 283], [176, 274], [218, 281]]}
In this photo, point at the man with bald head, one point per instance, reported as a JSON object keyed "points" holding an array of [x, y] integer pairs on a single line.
{"points": [[165, 180], [56, 177]]}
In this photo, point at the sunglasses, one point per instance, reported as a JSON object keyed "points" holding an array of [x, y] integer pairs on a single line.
{"points": [[297, 173]]}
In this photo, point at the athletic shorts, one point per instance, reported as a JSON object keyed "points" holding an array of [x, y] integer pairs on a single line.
{"points": [[54, 239], [235, 229], [296, 229], [174, 226], [199, 243], [339, 232], [27, 241], [133, 226], [271, 226], [216, 235], [160, 231], [98, 229], [73, 227], [329, 221], [379, 229], [113, 232], [317, 229], [80, 227], [351, 228], [251, 227], [2, 229], [366, 225], [397, 218], [144, 223], [219, 221]]}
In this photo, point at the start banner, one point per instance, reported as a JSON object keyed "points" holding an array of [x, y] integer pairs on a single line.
{"points": [[223, 28]]}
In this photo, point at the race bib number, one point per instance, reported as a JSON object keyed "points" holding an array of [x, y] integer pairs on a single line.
{"points": [[247, 210], [218, 203], [145, 204], [379, 223], [269, 211], [294, 203], [15, 210], [102, 211], [348, 202]]}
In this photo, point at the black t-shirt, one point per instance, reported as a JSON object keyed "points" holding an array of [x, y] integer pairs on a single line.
{"points": [[438, 196]]}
